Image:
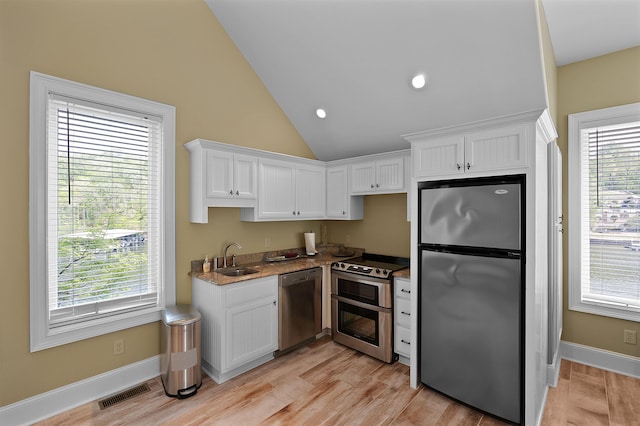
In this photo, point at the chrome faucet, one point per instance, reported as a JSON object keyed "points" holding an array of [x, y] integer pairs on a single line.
{"points": [[224, 259]]}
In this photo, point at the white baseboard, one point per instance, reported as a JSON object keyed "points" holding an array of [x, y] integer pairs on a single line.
{"points": [[50, 403], [606, 360], [553, 370]]}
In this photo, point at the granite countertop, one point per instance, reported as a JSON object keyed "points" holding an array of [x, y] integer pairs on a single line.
{"points": [[403, 273], [266, 269]]}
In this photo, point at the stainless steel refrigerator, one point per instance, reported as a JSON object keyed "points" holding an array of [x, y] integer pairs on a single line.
{"points": [[471, 290]]}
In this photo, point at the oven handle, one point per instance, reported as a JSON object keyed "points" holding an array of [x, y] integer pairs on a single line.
{"points": [[360, 304]]}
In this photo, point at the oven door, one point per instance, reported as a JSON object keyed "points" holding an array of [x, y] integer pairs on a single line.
{"points": [[363, 327], [371, 291]]}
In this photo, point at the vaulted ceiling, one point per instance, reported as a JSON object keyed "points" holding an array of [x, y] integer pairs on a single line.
{"points": [[355, 59]]}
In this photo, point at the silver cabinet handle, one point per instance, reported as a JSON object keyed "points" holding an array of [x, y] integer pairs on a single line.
{"points": [[405, 290], [377, 185], [406, 342], [231, 192], [371, 186], [237, 192], [274, 303], [468, 166], [405, 313], [458, 166]]}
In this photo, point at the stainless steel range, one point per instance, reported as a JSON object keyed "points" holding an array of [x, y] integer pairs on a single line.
{"points": [[362, 303]]}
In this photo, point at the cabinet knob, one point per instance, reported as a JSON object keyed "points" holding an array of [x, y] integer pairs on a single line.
{"points": [[458, 166], [231, 192], [298, 213], [294, 212], [371, 186], [343, 212], [468, 166], [274, 303], [377, 185], [237, 192]]}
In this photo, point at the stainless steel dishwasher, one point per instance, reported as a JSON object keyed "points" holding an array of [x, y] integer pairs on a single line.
{"points": [[300, 313]]}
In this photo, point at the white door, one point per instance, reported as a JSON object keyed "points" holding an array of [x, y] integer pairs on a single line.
{"points": [[219, 174], [555, 250], [244, 176], [310, 192], [276, 199], [337, 192], [251, 332]]}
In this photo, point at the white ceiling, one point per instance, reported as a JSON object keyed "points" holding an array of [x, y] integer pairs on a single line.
{"points": [[355, 59], [584, 29]]}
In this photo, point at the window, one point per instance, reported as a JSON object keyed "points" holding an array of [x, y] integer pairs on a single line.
{"points": [[102, 232], [604, 212]]}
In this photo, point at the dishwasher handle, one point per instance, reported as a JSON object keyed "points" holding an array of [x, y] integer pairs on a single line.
{"points": [[294, 278]]}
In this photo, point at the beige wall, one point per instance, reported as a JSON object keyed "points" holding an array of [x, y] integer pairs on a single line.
{"points": [[384, 230], [173, 52], [601, 82]]}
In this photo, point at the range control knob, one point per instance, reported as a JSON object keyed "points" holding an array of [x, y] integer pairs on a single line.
{"points": [[377, 271]]}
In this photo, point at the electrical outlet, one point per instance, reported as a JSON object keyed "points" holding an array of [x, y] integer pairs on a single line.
{"points": [[267, 242], [630, 337], [347, 238], [118, 347]]}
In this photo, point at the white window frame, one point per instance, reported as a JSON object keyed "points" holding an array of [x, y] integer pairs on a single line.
{"points": [[578, 122], [43, 336]]}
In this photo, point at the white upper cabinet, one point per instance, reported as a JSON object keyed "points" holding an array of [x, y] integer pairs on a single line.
{"points": [[482, 151], [384, 175], [340, 204], [221, 175], [231, 176], [289, 190]]}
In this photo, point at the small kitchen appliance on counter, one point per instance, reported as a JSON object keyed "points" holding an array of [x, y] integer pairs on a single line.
{"points": [[362, 303]]}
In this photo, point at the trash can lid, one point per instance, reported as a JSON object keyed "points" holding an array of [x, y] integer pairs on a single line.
{"points": [[180, 315]]}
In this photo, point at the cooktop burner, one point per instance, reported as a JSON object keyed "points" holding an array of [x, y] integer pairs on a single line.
{"points": [[374, 265]]}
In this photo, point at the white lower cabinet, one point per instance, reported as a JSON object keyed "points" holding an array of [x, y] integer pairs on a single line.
{"points": [[239, 325], [402, 319]]}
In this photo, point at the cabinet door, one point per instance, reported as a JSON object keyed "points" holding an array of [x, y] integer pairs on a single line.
{"points": [[390, 174], [251, 331], [363, 177], [244, 176], [438, 157], [337, 192], [310, 192], [496, 149], [276, 190], [219, 174]]}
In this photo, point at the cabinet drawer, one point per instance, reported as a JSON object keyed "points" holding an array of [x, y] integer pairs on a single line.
{"points": [[402, 344], [403, 312], [403, 288], [256, 289]]}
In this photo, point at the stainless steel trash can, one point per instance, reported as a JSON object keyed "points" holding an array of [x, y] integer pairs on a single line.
{"points": [[181, 357]]}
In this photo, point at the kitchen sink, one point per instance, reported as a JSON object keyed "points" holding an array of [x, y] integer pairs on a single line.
{"points": [[237, 271]]}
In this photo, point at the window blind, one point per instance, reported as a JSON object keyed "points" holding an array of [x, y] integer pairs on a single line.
{"points": [[611, 216], [103, 211]]}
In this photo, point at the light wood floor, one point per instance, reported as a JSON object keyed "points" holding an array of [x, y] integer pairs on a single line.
{"points": [[326, 383]]}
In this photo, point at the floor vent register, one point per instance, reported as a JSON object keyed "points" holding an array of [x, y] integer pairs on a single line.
{"points": [[123, 396]]}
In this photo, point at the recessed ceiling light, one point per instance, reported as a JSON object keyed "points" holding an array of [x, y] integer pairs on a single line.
{"points": [[321, 113], [419, 81]]}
